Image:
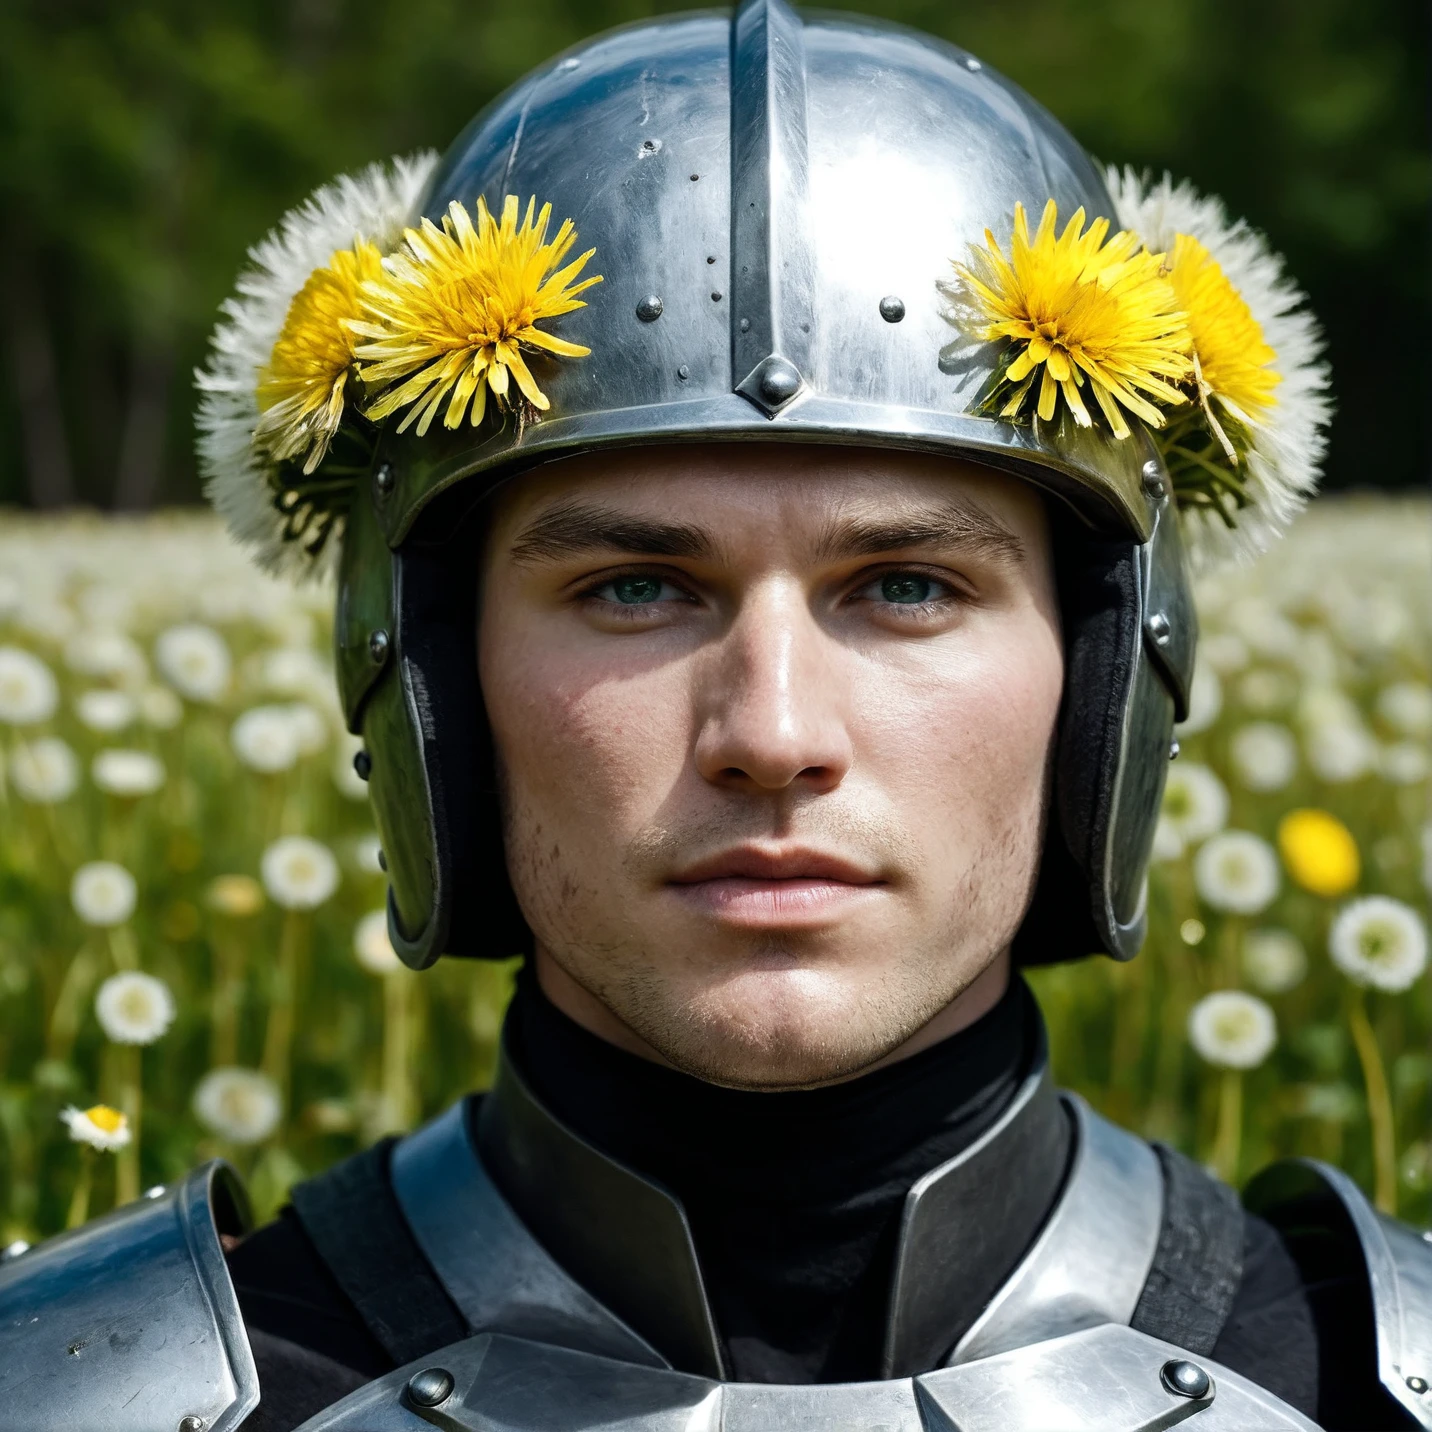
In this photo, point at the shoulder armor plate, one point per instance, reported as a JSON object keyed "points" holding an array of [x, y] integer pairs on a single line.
{"points": [[131, 1324], [1306, 1193], [1104, 1379]]}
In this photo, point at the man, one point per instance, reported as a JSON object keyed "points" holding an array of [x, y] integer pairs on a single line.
{"points": [[780, 694]]}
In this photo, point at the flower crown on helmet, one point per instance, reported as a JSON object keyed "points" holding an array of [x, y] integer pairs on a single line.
{"points": [[349, 318]]}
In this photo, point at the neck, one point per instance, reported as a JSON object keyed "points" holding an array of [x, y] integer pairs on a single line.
{"points": [[583, 1008]]}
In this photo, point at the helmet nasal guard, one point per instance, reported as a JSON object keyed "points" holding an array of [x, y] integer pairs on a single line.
{"points": [[773, 202]]}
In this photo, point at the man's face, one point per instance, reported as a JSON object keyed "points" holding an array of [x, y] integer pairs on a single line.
{"points": [[773, 725]]}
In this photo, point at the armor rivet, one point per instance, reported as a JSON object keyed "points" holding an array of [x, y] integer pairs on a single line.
{"points": [[191, 1424], [745, 325], [715, 297], [13, 1250], [683, 372], [1417, 1384], [156, 1192], [1160, 629], [430, 1386], [1173, 749], [711, 258], [780, 383], [649, 309], [378, 646], [972, 64], [1187, 1379], [383, 480], [1153, 479], [363, 764], [892, 309], [694, 178], [651, 145], [382, 859]]}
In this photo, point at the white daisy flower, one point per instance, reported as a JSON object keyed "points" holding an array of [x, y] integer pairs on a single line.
{"points": [[240, 1105], [110, 655], [1264, 755], [1380, 942], [28, 690], [134, 1008], [1232, 1030], [44, 771], [160, 708], [194, 660], [103, 893], [1205, 700], [1287, 444], [103, 709], [1327, 705], [100, 1127], [373, 947], [1404, 763], [292, 671], [265, 739], [374, 205], [1340, 752], [1264, 689], [1406, 706], [299, 873], [1195, 801], [1236, 871], [1274, 960], [127, 773]]}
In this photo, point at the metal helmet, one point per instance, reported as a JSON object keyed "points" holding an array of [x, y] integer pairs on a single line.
{"points": [[772, 201]]}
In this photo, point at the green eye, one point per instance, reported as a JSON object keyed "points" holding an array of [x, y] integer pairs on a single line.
{"points": [[634, 591], [906, 588]]}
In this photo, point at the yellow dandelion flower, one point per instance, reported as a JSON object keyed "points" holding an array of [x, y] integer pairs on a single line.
{"points": [[302, 390], [458, 304], [1079, 310], [1319, 852]]}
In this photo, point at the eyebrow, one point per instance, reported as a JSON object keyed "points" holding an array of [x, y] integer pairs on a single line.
{"points": [[952, 525], [571, 528]]}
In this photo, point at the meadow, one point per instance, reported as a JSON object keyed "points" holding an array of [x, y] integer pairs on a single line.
{"points": [[189, 881]]}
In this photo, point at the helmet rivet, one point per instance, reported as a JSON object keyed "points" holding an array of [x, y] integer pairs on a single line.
{"points": [[710, 258], [892, 309], [1153, 479], [363, 764], [683, 372], [694, 178], [1417, 1384], [780, 382], [651, 145], [745, 325], [715, 296], [1173, 749], [1159, 629], [430, 1386], [384, 480], [649, 309], [378, 646], [1187, 1379], [972, 64], [191, 1424]]}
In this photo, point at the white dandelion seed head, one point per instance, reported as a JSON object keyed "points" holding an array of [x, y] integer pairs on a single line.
{"points": [[1404, 763], [1379, 941], [299, 873], [1224, 651], [109, 655], [194, 660], [1232, 1030], [100, 1127], [1264, 755], [1265, 690], [265, 739], [1406, 706], [1205, 700], [1274, 960], [374, 204], [160, 708], [103, 893], [104, 709], [1168, 843], [1327, 706], [29, 692], [1287, 447], [127, 773], [373, 947], [240, 1105], [296, 671], [310, 730], [44, 771], [134, 1008], [1237, 872], [1339, 752], [1195, 801]]}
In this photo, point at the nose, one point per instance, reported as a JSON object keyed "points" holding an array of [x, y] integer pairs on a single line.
{"points": [[773, 713]]}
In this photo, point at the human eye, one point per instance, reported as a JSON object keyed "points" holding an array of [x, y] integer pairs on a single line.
{"points": [[910, 592], [637, 589]]}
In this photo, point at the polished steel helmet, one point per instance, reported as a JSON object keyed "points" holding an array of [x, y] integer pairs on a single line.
{"points": [[774, 202]]}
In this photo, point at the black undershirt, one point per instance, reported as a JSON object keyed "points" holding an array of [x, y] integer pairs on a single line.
{"points": [[793, 1200]]}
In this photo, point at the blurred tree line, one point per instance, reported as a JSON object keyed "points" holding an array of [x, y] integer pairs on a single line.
{"points": [[147, 143]]}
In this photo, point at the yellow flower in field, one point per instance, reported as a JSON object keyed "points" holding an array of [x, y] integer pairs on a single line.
{"points": [[235, 895], [1319, 852], [1234, 360], [1079, 311], [455, 307], [100, 1127], [301, 392]]}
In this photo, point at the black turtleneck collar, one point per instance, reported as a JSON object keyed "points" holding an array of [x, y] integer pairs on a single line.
{"points": [[795, 1198]]}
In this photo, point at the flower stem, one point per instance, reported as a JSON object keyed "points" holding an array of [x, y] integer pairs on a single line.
{"points": [[1228, 1138], [130, 1104], [278, 1034], [70, 1005], [398, 1111], [1379, 1101], [80, 1198]]}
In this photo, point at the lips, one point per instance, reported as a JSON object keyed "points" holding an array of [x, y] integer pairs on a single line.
{"points": [[764, 889], [755, 863]]}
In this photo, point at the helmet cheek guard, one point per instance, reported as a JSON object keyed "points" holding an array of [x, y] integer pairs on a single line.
{"points": [[712, 163]]}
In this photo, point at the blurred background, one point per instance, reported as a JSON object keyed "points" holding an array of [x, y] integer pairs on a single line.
{"points": [[167, 714]]}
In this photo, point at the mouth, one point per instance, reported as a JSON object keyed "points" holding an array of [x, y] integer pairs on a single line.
{"points": [[759, 888]]}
